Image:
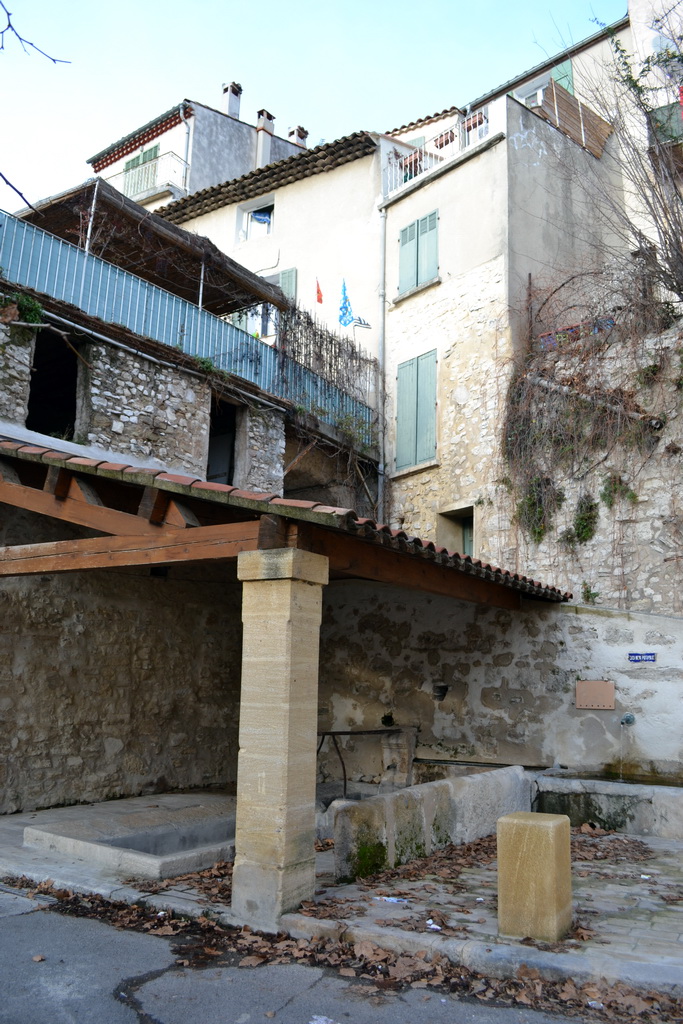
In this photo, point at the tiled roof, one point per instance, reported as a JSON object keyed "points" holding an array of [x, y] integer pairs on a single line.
{"points": [[421, 122], [258, 503], [265, 179], [157, 126]]}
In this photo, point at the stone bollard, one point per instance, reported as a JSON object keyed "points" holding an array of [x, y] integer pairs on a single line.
{"points": [[534, 876]]}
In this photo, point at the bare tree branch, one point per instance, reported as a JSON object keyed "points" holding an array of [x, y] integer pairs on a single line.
{"points": [[25, 44], [15, 189]]}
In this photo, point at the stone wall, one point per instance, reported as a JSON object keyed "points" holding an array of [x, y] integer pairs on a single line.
{"points": [[130, 405], [16, 356], [472, 373], [260, 450], [510, 681], [114, 684]]}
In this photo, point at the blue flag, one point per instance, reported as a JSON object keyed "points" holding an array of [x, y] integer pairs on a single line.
{"points": [[345, 311]]}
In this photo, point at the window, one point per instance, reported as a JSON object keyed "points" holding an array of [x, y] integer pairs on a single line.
{"points": [[455, 530], [262, 321], [141, 172], [222, 431], [416, 410], [255, 219], [418, 253]]}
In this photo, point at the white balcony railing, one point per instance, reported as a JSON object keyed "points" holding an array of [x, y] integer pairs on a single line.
{"points": [[165, 174], [404, 162]]}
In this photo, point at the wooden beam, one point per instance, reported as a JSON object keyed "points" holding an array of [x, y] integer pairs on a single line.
{"points": [[164, 548], [81, 506], [351, 556]]}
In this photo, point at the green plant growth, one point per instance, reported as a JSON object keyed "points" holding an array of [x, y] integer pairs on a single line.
{"points": [[586, 518], [588, 596], [647, 375], [368, 859], [567, 539], [30, 310], [536, 508], [615, 488]]}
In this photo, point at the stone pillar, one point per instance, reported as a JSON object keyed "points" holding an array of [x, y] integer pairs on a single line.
{"points": [[275, 829], [534, 876]]}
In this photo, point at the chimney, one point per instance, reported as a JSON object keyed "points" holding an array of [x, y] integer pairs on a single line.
{"points": [[234, 91], [298, 136], [264, 135]]}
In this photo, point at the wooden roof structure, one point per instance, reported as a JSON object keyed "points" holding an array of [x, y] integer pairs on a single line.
{"points": [[149, 517], [129, 236]]}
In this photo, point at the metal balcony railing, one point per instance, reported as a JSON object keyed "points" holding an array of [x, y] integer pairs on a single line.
{"points": [[406, 163], [166, 173], [32, 258]]}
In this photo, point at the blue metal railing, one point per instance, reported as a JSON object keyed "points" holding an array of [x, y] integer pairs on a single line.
{"points": [[31, 257]]}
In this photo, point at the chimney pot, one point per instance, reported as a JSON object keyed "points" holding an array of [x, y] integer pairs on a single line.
{"points": [[264, 137], [298, 136], [234, 92]]}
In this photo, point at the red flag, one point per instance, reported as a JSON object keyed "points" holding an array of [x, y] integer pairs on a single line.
{"points": [[318, 293]]}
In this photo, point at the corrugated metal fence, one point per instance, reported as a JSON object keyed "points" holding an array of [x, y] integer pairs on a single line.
{"points": [[38, 260]]}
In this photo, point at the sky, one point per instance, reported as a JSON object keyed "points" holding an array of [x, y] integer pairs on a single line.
{"points": [[334, 68]]}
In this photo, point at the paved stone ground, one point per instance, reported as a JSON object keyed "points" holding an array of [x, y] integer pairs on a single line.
{"points": [[630, 913]]}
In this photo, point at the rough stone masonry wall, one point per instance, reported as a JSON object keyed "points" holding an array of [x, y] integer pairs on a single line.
{"points": [[260, 450], [131, 405], [16, 357], [510, 679], [633, 561], [467, 313], [113, 684]]}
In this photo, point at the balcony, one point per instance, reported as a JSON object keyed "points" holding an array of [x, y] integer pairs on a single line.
{"points": [[32, 258], [156, 179], [405, 163]]}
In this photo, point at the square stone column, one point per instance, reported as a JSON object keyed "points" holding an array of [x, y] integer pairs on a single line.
{"points": [[276, 770], [534, 875]]}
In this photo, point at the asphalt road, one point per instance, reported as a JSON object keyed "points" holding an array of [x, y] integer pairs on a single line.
{"points": [[64, 970]]}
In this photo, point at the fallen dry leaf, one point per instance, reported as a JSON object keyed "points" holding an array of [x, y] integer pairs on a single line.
{"points": [[252, 961], [38, 958]]}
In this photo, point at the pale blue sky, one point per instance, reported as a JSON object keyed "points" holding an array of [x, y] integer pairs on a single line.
{"points": [[333, 67]]}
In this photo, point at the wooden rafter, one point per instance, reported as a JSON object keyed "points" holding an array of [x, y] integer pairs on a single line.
{"points": [[74, 500], [205, 543]]}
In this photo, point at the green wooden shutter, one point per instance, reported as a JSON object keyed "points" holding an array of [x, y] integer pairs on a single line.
{"points": [[133, 162], [288, 283], [406, 413], [150, 154], [240, 320], [427, 248], [425, 447], [407, 258], [467, 535], [564, 75]]}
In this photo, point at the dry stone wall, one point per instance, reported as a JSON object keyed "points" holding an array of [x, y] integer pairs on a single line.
{"points": [[130, 405], [114, 684], [16, 356], [260, 450], [510, 679]]}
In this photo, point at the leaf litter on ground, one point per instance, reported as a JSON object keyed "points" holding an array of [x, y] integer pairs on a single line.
{"points": [[201, 941]]}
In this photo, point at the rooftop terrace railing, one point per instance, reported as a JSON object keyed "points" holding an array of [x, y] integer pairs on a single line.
{"points": [[32, 258]]}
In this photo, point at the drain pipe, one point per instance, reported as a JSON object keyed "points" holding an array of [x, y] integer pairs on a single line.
{"points": [[381, 490], [186, 168]]}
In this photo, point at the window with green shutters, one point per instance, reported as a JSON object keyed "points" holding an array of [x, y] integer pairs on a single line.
{"points": [[416, 410], [564, 75], [418, 252]]}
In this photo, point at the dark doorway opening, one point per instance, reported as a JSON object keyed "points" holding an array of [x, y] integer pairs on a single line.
{"points": [[52, 391], [221, 442]]}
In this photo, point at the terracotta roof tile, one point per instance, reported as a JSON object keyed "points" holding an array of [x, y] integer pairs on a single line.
{"points": [[265, 179], [344, 519]]}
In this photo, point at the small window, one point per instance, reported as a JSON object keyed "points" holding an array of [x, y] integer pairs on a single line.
{"points": [[416, 411], [255, 219], [418, 253], [564, 75], [52, 391], [455, 530]]}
